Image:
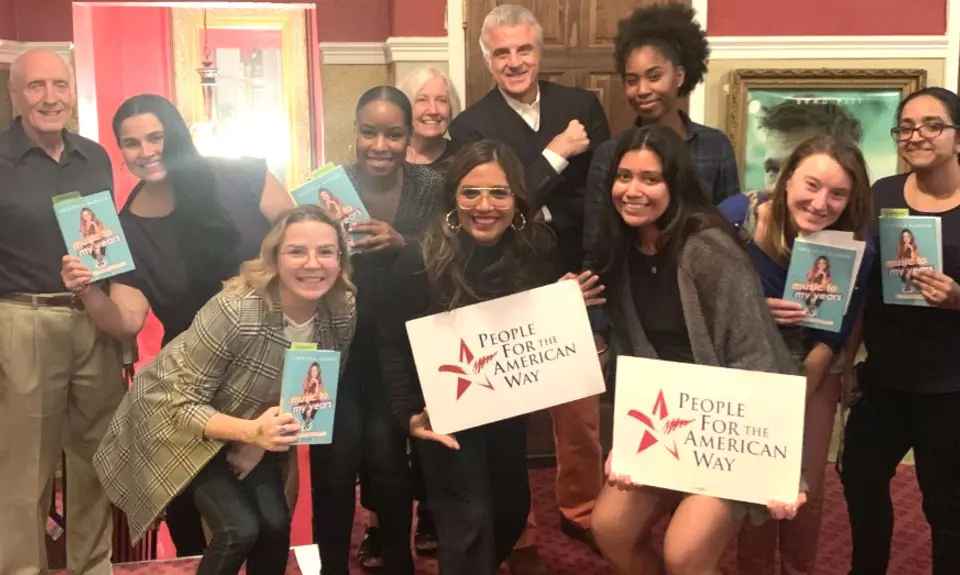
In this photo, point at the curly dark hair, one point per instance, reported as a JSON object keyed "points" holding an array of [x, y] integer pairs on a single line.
{"points": [[823, 116], [670, 28]]}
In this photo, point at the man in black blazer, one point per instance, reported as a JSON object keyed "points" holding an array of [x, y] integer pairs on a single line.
{"points": [[554, 129]]}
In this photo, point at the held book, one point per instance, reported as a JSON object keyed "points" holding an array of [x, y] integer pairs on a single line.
{"points": [[309, 391], [822, 275], [333, 191], [908, 243], [91, 231]]}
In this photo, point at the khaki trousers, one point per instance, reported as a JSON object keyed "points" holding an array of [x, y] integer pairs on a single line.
{"points": [[576, 435], [60, 383]]}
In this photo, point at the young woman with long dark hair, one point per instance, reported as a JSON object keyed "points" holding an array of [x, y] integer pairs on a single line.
{"points": [[190, 221], [482, 244], [680, 288]]}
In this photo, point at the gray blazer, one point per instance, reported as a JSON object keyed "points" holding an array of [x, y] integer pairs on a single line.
{"points": [[727, 318]]}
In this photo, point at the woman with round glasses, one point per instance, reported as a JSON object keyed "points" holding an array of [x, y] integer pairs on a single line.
{"points": [[202, 421], [910, 381], [483, 245]]}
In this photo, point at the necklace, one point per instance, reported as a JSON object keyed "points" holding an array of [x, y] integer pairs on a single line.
{"points": [[653, 269]]}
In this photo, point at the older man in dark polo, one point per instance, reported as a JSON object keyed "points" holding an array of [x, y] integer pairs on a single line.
{"points": [[60, 378]]}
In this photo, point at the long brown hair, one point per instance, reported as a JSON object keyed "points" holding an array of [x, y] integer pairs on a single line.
{"points": [[261, 274], [445, 250], [856, 217]]}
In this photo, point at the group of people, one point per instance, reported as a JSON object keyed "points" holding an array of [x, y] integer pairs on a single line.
{"points": [[523, 188]]}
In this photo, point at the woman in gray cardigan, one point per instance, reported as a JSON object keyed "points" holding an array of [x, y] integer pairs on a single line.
{"points": [[680, 288]]}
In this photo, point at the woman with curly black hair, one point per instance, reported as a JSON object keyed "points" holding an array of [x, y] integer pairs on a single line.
{"points": [[661, 55]]}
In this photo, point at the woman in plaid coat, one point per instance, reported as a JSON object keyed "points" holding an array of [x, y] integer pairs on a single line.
{"points": [[202, 418]]}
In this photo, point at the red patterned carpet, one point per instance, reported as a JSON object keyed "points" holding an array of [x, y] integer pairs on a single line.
{"points": [[910, 555]]}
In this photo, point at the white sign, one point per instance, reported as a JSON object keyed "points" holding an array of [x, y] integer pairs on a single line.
{"points": [[506, 357], [728, 433]]}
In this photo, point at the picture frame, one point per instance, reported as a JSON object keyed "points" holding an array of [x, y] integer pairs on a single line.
{"points": [[770, 111]]}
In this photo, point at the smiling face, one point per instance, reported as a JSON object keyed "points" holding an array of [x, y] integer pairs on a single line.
{"points": [[640, 193], [651, 82], [382, 138], [41, 89], [514, 59], [431, 109], [308, 262], [906, 238], [485, 204], [929, 114], [141, 143], [817, 193]]}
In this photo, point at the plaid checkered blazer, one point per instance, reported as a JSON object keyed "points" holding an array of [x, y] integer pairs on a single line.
{"points": [[228, 361]]}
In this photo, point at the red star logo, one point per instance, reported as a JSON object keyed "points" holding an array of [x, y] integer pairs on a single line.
{"points": [[650, 435], [468, 365]]}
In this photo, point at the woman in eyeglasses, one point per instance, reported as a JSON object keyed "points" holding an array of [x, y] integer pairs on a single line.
{"points": [[910, 381], [483, 245]]}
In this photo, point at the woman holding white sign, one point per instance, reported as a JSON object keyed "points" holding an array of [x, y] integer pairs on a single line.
{"points": [[683, 290], [823, 186], [484, 245]]}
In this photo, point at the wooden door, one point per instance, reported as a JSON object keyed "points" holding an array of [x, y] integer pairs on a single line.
{"points": [[577, 48]]}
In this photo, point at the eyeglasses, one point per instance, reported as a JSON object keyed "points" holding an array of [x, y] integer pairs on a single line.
{"points": [[299, 256], [500, 198], [926, 131]]}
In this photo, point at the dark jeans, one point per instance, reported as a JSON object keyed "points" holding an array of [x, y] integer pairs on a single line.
{"points": [[364, 434], [479, 495], [249, 520], [883, 425], [186, 531], [417, 487]]}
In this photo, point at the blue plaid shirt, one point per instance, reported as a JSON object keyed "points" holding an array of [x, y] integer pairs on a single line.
{"points": [[716, 164]]}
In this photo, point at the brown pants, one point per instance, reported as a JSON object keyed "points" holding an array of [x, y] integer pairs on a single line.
{"points": [[60, 382], [576, 435]]}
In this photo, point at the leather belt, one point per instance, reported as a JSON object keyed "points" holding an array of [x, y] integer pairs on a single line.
{"points": [[40, 300]]}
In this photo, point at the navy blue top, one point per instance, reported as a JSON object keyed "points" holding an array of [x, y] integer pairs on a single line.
{"points": [[773, 276], [160, 272]]}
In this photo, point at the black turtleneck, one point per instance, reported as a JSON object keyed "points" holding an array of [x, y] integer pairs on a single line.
{"points": [[411, 297]]}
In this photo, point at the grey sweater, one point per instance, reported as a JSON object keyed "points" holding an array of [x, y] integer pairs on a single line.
{"points": [[728, 322], [727, 318]]}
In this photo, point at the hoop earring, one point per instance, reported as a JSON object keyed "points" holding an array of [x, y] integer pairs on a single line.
{"points": [[455, 226], [523, 223]]}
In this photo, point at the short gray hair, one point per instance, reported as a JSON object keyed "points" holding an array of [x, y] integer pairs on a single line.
{"points": [[508, 15], [413, 83]]}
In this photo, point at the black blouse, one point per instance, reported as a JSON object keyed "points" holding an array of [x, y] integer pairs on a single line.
{"points": [[656, 295], [910, 348], [412, 298], [160, 272]]}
